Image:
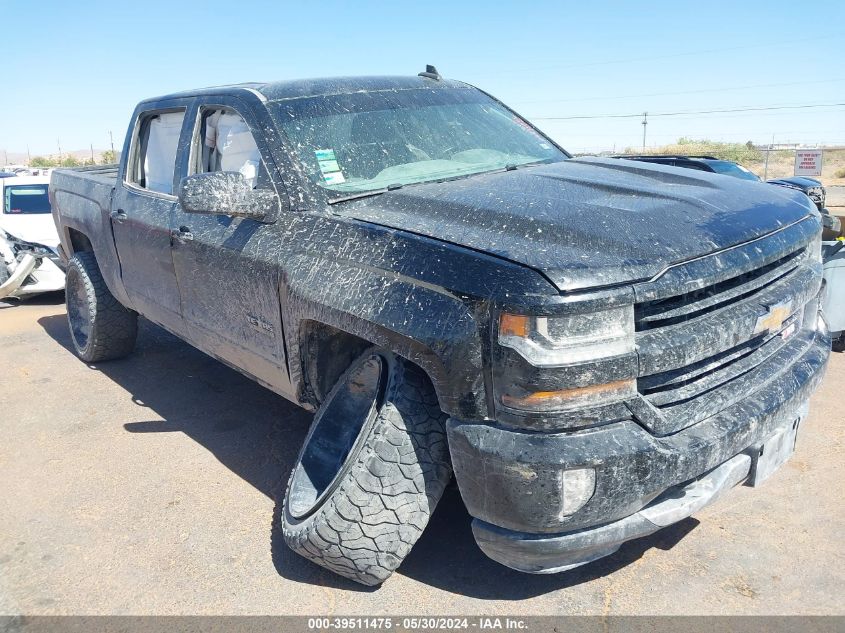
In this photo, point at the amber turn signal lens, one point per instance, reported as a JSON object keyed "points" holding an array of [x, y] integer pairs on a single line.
{"points": [[568, 399], [513, 325]]}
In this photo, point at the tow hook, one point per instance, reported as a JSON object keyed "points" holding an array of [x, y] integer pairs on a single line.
{"points": [[25, 266]]}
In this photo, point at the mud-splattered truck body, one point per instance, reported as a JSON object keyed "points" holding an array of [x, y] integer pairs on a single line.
{"points": [[595, 347]]}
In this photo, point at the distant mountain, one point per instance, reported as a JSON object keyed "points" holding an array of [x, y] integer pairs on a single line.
{"points": [[20, 158]]}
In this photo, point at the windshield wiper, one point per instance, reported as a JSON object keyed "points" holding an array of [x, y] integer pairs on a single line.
{"points": [[367, 194], [395, 186], [513, 166], [360, 194]]}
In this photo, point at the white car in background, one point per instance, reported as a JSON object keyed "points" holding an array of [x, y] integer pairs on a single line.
{"points": [[29, 261]]}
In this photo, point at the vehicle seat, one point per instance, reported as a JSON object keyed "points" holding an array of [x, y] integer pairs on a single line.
{"points": [[232, 146]]}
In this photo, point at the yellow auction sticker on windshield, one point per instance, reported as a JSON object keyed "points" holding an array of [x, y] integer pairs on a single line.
{"points": [[329, 168]]}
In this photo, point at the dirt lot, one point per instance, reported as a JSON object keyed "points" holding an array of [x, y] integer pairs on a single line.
{"points": [[149, 486], [836, 199]]}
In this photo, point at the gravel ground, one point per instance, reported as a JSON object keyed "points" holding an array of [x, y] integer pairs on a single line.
{"points": [[149, 486], [836, 198]]}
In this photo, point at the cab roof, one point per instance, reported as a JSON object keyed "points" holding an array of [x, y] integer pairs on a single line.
{"points": [[300, 88]]}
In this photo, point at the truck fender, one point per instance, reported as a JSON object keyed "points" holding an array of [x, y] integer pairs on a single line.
{"points": [[84, 215], [390, 311]]}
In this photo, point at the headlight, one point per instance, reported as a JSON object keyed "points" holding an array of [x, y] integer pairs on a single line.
{"points": [[573, 363], [566, 340], [20, 246]]}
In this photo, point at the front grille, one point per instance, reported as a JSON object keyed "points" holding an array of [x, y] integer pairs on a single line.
{"points": [[817, 195], [692, 345], [691, 305], [666, 390]]}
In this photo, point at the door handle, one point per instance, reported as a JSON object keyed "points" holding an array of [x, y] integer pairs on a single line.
{"points": [[182, 234], [118, 216]]}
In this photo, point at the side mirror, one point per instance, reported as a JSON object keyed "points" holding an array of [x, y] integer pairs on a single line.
{"points": [[227, 193]]}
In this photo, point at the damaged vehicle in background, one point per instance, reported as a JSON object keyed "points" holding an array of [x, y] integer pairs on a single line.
{"points": [[28, 239], [597, 348], [810, 187]]}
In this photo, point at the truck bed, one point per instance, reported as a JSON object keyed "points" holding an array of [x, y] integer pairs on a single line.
{"points": [[81, 201], [101, 174], [94, 184]]}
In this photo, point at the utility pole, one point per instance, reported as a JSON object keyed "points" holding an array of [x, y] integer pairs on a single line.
{"points": [[5, 157], [92, 153], [28, 156], [59, 143], [768, 151], [111, 139], [645, 125]]}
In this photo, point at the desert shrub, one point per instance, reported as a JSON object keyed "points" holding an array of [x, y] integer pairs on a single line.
{"points": [[736, 152]]}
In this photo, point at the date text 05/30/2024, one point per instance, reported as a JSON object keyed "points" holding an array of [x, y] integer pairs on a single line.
{"points": [[416, 623]]}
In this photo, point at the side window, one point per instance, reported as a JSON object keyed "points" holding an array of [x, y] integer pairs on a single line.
{"points": [[223, 142], [154, 154]]}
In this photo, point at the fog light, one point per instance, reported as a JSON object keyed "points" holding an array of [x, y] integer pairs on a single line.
{"points": [[576, 488]]}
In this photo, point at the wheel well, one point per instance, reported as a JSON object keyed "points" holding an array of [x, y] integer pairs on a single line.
{"points": [[326, 353], [79, 241]]}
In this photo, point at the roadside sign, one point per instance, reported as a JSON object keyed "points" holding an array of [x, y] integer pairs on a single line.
{"points": [[808, 162]]}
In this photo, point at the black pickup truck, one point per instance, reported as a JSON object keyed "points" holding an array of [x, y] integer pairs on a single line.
{"points": [[597, 348]]}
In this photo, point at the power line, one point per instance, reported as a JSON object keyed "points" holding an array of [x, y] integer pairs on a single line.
{"points": [[680, 113], [629, 60], [686, 92], [744, 134]]}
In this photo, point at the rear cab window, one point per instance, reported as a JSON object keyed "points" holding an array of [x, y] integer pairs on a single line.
{"points": [[25, 199], [152, 162]]}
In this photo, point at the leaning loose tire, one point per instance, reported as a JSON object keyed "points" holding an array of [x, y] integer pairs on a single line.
{"points": [[373, 467], [101, 328], [839, 343]]}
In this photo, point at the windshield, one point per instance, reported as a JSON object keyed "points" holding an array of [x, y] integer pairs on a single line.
{"points": [[20, 199], [368, 141], [731, 169]]}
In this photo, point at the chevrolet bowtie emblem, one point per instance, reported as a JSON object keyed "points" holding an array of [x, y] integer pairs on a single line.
{"points": [[774, 317]]}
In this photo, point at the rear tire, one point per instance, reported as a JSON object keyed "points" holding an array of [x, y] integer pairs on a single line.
{"points": [[101, 328], [371, 471], [838, 344]]}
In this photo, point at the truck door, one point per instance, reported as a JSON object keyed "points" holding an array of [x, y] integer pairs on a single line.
{"points": [[227, 269], [141, 215]]}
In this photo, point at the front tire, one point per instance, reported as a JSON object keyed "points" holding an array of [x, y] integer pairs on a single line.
{"points": [[373, 467], [101, 328]]}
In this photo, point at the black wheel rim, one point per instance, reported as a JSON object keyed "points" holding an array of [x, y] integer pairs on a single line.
{"points": [[342, 423], [78, 315]]}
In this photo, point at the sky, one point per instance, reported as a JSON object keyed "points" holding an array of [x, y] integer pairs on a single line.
{"points": [[73, 71]]}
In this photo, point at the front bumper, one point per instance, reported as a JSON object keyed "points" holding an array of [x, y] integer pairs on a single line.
{"points": [[831, 225], [46, 276], [510, 480]]}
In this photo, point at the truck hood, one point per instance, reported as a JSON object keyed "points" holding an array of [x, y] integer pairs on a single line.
{"points": [[37, 228], [796, 181], [589, 222]]}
